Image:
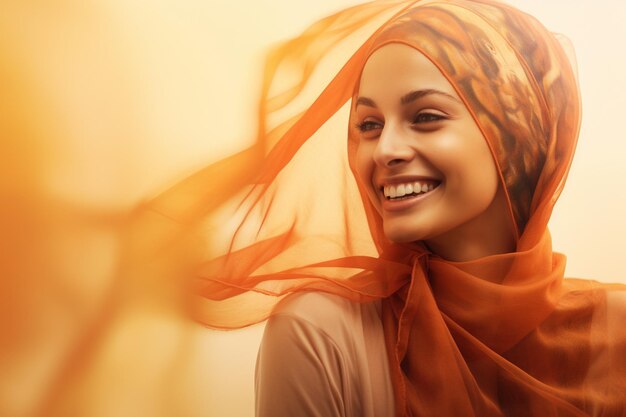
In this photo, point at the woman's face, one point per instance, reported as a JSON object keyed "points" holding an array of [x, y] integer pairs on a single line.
{"points": [[426, 165]]}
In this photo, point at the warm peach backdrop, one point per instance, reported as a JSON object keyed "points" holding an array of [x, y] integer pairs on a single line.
{"points": [[109, 101]]}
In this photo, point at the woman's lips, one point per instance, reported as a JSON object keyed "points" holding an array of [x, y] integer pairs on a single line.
{"points": [[406, 200]]}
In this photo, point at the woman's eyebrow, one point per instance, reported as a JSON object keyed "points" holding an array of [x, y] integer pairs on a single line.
{"points": [[365, 102], [414, 95], [407, 98]]}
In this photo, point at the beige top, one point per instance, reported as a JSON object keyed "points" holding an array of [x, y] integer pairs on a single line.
{"points": [[323, 356]]}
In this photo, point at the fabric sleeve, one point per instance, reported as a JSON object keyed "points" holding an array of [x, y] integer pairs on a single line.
{"points": [[299, 371]]}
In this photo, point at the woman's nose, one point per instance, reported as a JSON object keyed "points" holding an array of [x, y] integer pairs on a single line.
{"points": [[392, 148]]}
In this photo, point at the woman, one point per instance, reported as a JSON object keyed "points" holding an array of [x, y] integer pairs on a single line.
{"points": [[428, 286]]}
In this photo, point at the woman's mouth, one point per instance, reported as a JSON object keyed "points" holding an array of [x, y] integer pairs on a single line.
{"points": [[404, 191]]}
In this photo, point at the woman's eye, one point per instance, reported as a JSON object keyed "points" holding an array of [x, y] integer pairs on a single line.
{"points": [[428, 117], [367, 126]]}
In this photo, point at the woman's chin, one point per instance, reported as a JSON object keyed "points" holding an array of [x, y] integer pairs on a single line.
{"points": [[404, 234]]}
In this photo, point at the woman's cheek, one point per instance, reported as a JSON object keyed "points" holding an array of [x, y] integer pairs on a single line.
{"points": [[363, 162], [365, 169]]}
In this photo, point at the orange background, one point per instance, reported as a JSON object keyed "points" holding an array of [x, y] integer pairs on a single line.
{"points": [[108, 102]]}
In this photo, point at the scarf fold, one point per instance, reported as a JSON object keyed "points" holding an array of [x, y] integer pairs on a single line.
{"points": [[449, 332]]}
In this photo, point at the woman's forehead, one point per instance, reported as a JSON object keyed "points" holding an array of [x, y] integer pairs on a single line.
{"points": [[395, 69]]}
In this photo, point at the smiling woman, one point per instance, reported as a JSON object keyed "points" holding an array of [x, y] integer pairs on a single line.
{"points": [[405, 265], [388, 286]]}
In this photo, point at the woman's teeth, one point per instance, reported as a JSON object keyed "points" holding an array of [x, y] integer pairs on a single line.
{"points": [[412, 188]]}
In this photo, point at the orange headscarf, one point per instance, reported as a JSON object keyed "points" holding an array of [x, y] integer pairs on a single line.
{"points": [[500, 335]]}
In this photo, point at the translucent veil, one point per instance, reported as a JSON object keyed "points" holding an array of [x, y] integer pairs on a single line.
{"points": [[502, 335]]}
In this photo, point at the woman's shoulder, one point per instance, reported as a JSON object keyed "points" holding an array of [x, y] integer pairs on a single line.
{"points": [[318, 308], [334, 315], [306, 322], [337, 344], [300, 369], [310, 319], [606, 302]]}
